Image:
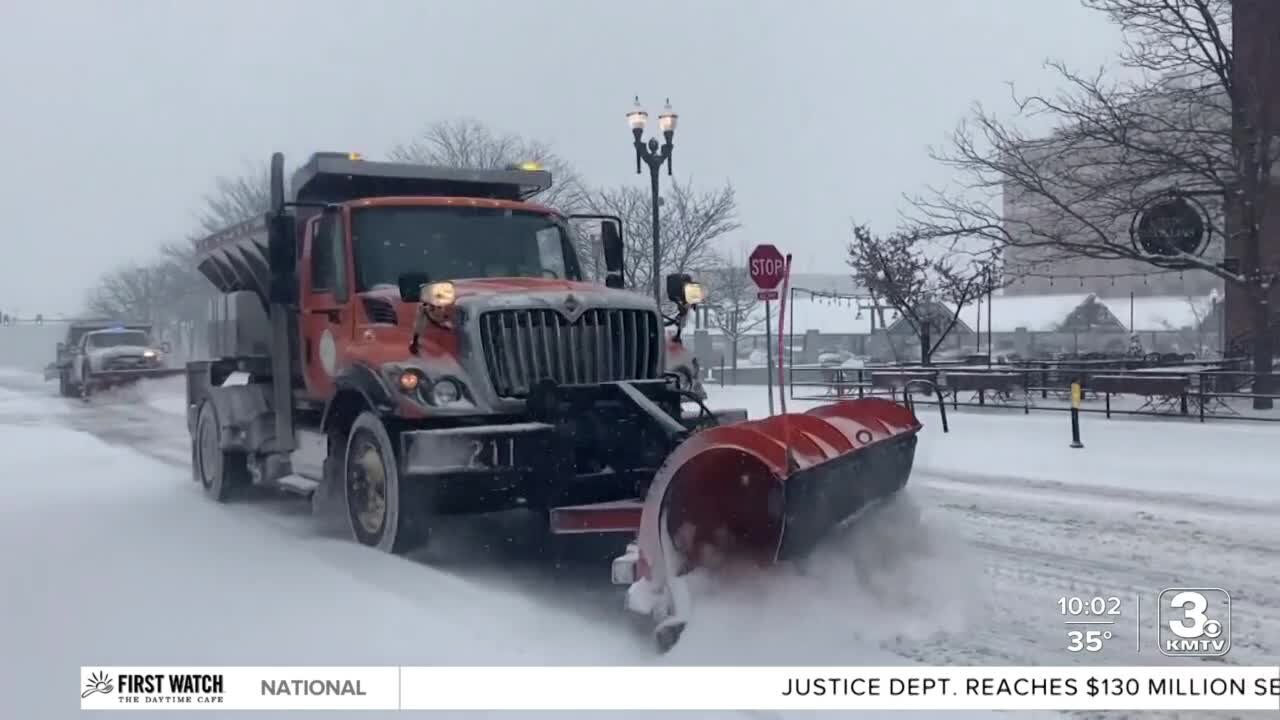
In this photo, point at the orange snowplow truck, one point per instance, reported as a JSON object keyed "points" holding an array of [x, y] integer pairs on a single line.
{"points": [[415, 341]]}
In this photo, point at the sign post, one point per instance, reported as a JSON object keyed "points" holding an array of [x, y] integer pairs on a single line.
{"points": [[766, 267]]}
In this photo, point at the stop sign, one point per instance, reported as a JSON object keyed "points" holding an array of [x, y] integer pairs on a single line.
{"points": [[766, 266]]}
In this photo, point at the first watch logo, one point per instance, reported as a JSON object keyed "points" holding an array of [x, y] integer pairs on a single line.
{"points": [[153, 688], [98, 682]]}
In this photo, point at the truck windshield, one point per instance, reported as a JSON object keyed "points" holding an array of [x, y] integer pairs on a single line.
{"points": [[118, 338], [451, 243]]}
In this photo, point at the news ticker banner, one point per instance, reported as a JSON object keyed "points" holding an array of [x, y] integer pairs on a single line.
{"points": [[681, 688]]}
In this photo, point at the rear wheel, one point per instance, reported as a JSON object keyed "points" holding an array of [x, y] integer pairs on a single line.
{"points": [[384, 514], [220, 473]]}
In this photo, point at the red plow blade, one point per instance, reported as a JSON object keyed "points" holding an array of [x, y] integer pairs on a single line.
{"points": [[764, 491]]}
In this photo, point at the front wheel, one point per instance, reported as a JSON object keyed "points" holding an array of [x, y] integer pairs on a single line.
{"points": [[383, 513], [84, 382]]}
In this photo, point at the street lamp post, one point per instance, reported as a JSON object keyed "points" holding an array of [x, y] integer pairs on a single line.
{"points": [[655, 157]]}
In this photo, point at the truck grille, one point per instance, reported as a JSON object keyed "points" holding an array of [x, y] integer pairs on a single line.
{"points": [[127, 362], [522, 347]]}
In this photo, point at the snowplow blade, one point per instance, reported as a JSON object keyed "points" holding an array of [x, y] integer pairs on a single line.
{"points": [[764, 491]]}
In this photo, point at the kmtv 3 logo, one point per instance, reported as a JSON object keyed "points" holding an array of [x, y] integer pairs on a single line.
{"points": [[1195, 622]]}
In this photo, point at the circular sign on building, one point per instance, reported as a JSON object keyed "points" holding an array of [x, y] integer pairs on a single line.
{"points": [[1170, 226]]}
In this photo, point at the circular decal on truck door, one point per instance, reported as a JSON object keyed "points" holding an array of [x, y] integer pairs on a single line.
{"points": [[328, 353]]}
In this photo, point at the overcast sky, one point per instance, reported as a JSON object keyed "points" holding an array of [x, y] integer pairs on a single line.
{"points": [[118, 114]]}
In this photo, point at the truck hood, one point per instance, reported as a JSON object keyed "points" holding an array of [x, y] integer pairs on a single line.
{"points": [[110, 353], [516, 292], [492, 293]]}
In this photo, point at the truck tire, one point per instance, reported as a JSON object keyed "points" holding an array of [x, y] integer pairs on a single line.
{"points": [[221, 473], [64, 385], [383, 513]]}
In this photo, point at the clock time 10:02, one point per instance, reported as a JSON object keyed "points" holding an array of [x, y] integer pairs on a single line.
{"points": [[1089, 607], [1097, 612]]}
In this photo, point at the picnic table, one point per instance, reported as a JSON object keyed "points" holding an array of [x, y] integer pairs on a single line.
{"points": [[1001, 385], [1175, 370], [1208, 380], [1162, 390], [895, 380]]}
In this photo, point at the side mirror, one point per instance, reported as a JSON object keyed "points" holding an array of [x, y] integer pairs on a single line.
{"points": [[611, 240], [166, 348], [411, 286], [62, 347], [611, 244]]}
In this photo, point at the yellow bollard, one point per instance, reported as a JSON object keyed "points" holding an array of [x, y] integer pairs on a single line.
{"points": [[1075, 415]]}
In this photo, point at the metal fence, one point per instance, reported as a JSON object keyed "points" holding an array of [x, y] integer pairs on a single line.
{"points": [[1202, 391]]}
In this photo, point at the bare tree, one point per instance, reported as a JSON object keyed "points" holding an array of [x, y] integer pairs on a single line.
{"points": [[1197, 122], [1200, 310], [733, 303], [234, 199], [133, 293], [468, 143], [169, 291], [918, 281], [689, 224]]}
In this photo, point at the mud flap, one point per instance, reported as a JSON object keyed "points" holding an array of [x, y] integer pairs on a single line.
{"points": [[328, 502]]}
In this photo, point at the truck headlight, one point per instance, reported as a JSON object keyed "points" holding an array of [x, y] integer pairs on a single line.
{"points": [[694, 294], [409, 380], [439, 294], [149, 354], [445, 392]]}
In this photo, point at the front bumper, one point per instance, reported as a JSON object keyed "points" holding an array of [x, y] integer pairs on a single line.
{"points": [[123, 376], [503, 449], [595, 454]]}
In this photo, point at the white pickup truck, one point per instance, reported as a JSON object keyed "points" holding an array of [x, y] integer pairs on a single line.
{"points": [[102, 357]]}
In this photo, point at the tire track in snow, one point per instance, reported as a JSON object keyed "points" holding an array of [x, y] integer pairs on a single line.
{"points": [[1042, 541]]}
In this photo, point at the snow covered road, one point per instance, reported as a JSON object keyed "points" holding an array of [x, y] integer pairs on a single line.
{"points": [[129, 564]]}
